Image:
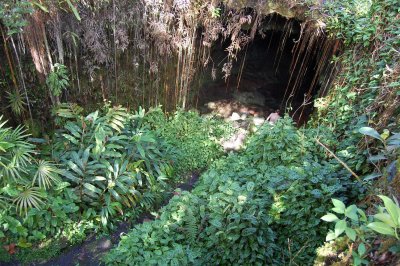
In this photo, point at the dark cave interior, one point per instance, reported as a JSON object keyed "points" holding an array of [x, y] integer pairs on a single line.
{"points": [[261, 75]]}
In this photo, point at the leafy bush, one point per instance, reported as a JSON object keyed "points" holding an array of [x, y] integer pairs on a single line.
{"points": [[111, 163], [357, 229], [194, 138], [245, 210], [58, 80], [25, 183]]}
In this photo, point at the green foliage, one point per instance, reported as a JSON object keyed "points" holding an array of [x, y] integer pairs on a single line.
{"points": [[17, 103], [215, 12], [109, 165], [73, 9], [23, 179], [384, 154], [194, 138], [357, 227], [387, 220], [366, 27], [110, 161], [58, 80], [244, 209], [12, 14]]}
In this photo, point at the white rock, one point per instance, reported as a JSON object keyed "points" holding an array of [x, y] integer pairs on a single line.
{"points": [[235, 116], [258, 121]]}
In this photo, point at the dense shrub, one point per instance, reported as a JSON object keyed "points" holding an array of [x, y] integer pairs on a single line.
{"points": [[195, 138], [245, 210], [112, 162]]}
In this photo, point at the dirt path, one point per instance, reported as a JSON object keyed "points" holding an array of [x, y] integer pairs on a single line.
{"points": [[90, 251]]}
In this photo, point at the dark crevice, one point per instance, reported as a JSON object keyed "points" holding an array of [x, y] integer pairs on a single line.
{"points": [[265, 73]]}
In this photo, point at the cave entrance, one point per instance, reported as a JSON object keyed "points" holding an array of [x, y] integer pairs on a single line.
{"points": [[280, 69]]}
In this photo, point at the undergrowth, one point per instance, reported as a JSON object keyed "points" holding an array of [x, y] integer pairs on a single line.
{"points": [[102, 168], [244, 210]]}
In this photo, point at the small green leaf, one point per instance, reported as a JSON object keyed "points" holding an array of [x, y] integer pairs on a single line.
{"points": [[74, 10], [372, 176], [339, 206], [351, 233], [216, 223], [330, 236], [363, 217], [250, 186], [351, 212], [249, 231], [361, 249], [92, 188], [340, 226], [381, 228], [42, 7], [330, 217]]}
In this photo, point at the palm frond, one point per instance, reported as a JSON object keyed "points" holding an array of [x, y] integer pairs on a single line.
{"points": [[27, 199], [15, 152], [47, 174], [17, 103]]}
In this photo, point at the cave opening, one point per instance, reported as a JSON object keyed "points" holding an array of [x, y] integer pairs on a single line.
{"points": [[267, 74]]}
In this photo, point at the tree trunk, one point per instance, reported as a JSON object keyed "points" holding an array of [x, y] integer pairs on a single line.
{"points": [[34, 33]]}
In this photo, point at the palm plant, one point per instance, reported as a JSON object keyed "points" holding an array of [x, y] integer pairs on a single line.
{"points": [[17, 167]]}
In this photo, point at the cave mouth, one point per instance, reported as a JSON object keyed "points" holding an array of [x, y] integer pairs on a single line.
{"points": [[261, 78]]}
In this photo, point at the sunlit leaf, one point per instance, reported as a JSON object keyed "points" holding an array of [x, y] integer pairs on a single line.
{"points": [[370, 132], [382, 228]]}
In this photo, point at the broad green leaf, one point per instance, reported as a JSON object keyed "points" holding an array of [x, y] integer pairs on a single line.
{"points": [[75, 168], [99, 178], [85, 156], [362, 215], [339, 206], [376, 158], [356, 259], [340, 226], [381, 228], [330, 236], [351, 212], [369, 131], [392, 208], [386, 218], [330, 217], [70, 176], [71, 138], [351, 233], [92, 188], [141, 151]]}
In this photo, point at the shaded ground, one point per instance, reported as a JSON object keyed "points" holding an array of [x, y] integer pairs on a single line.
{"points": [[90, 251]]}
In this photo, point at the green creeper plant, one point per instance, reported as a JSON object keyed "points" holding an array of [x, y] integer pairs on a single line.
{"points": [[356, 226]]}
